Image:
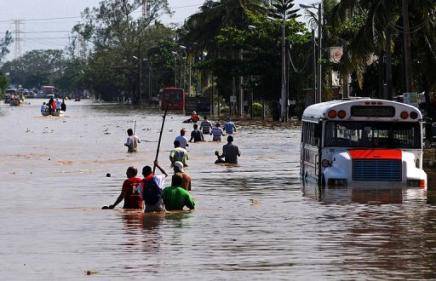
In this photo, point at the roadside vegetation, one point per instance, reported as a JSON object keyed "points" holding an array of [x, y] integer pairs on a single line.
{"points": [[233, 45]]}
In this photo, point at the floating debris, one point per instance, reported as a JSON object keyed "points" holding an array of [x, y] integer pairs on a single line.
{"points": [[90, 272]]}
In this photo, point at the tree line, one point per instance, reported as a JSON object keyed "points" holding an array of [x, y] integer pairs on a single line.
{"points": [[233, 46]]}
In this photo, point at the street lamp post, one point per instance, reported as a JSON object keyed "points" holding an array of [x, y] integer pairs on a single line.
{"points": [[315, 81], [175, 72], [184, 76], [320, 52], [283, 92], [140, 61], [318, 70]]}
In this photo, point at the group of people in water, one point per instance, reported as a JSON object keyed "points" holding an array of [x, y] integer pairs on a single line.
{"points": [[149, 193], [53, 105], [230, 152]]}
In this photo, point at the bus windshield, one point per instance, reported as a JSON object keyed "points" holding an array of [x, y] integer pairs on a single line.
{"points": [[373, 134]]}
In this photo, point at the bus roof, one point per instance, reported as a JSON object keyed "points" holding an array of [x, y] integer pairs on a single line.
{"points": [[319, 111]]}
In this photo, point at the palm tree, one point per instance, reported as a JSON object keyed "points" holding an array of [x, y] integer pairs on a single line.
{"points": [[283, 10], [382, 27]]}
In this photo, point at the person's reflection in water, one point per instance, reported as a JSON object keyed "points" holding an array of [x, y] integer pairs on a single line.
{"points": [[143, 230]]}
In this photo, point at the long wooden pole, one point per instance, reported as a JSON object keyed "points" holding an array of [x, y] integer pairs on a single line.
{"points": [[160, 138]]}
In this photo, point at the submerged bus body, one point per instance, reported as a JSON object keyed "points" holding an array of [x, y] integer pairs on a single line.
{"points": [[363, 142], [172, 98]]}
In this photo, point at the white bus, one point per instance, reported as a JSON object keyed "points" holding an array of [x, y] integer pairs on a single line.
{"points": [[362, 142]]}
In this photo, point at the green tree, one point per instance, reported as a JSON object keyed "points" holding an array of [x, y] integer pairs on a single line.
{"points": [[4, 50], [35, 68], [119, 44], [222, 28], [380, 33]]}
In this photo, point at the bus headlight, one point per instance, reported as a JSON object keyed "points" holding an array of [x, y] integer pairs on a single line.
{"points": [[326, 163], [337, 182]]}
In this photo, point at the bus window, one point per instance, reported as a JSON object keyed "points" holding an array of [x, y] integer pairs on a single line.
{"points": [[311, 133], [373, 134]]}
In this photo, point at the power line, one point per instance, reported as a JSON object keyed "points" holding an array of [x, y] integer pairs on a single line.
{"points": [[79, 17], [44, 19], [37, 32]]}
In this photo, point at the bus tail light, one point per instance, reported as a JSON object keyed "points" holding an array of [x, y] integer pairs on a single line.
{"points": [[342, 114], [332, 114], [413, 115], [416, 183], [404, 115], [421, 184]]}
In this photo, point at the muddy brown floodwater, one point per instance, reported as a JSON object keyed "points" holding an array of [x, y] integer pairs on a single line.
{"points": [[252, 222]]}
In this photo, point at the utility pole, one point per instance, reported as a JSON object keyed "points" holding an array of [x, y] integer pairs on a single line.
{"points": [[149, 80], [407, 46], [241, 91], [315, 68], [140, 77], [182, 78], [388, 66], [320, 20], [283, 101], [190, 75]]}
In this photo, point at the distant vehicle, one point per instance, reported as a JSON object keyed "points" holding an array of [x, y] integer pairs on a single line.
{"points": [[40, 95], [8, 95], [363, 142], [15, 101], [172, 98], [49, 91]]}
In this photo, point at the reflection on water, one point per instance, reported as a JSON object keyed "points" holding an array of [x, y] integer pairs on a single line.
{"points": [[252, 222], [347, 195]]}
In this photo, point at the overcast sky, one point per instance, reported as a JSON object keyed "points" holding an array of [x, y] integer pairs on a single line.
{"points": [[40, 29]]}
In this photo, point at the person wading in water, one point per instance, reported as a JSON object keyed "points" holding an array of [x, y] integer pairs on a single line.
{"points": [[182, 139], [217, 132], [186, 179], [175, 197], [179, 154], [151, 189], [130, 192], [206, 126], [196, 135], [132, 141], [230, 153]]}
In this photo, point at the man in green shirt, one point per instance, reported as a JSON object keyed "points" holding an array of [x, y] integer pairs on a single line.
{"points": [[175, 197]]}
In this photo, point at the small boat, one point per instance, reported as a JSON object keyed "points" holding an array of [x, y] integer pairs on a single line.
{"points": [[15, 102], [56, 113]]}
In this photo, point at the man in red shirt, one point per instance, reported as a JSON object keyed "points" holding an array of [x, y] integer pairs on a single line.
{"points": [[130, 192]]}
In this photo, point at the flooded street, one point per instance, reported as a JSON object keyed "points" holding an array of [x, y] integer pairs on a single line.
{"points": [[252, 222]]}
